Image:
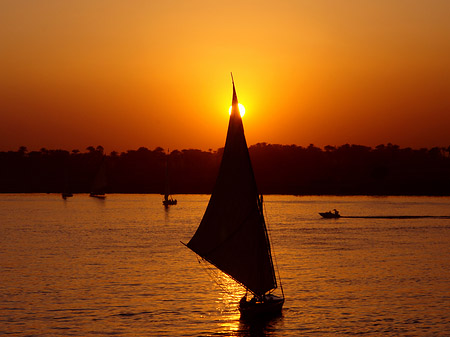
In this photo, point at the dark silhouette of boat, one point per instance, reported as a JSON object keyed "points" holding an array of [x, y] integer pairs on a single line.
{"points": [[168, 199], [232, 235], [334, 214], [66, 190], [99, 184], [98, 195], [66, 195]]}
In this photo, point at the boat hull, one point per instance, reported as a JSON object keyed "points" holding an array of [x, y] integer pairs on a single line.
{"points": [[329, 215], [98, 196], [169, 202], [272, 306]]}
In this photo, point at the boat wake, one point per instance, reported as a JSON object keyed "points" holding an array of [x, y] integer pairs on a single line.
{"points": [[398, 217]]}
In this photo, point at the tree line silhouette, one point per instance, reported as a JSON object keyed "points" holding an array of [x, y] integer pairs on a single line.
{"points": [[279, 169]]}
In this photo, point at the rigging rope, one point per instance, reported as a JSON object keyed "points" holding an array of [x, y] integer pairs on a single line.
{"points": [[216, 275], [274, 256]]}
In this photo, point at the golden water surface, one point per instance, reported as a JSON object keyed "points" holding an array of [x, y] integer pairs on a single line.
{"points": [[89, 267]]}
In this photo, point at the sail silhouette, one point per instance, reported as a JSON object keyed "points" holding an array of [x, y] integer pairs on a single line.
{"points": [[99, 183], [168, 200], [232, 235], [66, 193]]}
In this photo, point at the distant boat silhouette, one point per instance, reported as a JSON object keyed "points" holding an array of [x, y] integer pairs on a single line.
{"points": [[232, 235], [66, 195], [99, 183], [168, 200], [331, 214]]}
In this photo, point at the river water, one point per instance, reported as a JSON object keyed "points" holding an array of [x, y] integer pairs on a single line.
{"points": [[89, 267]]}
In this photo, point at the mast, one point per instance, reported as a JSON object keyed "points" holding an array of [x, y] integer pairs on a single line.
{"points": [[100, 183], [232, 234], [166, 187]]}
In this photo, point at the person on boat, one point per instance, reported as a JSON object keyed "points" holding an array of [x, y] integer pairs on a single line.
{"points": [[243, 302], [335, 211]]}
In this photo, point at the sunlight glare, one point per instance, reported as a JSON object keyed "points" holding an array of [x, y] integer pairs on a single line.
{"points": [[241, 109]]}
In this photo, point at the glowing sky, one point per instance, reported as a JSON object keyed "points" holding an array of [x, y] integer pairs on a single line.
{"points": [[126, 74]]}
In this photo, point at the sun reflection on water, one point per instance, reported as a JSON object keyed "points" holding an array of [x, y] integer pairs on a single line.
{"points": [[227, 303], [116, 266]]}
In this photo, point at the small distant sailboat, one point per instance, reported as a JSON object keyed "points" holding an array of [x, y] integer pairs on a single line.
{"points": [[66, 195], [99, 183], [232, 235], [168, 200]]}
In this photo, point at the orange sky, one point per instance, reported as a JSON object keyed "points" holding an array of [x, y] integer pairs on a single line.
{"points": [[126, 74]]}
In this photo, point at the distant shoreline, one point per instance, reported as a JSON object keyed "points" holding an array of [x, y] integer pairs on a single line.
{"points": [[280, 194], [386, 170]]}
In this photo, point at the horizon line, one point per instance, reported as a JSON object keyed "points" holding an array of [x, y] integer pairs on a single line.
{"points": [[91, 148]]}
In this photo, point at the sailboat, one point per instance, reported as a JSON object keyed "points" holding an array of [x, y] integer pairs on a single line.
{"points": [[99, 183], [66, 195], [168, 200], [66, 191], [232, 236]]}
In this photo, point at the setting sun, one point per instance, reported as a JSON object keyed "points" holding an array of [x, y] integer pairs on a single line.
{"points": [[241, 109], [168, 65]]}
